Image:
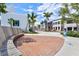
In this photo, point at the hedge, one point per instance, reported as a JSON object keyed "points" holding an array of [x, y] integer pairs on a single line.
{"points": [[73, 33]]}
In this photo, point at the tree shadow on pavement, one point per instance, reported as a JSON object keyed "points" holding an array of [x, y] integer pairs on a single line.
{"points": [[19, 42]]}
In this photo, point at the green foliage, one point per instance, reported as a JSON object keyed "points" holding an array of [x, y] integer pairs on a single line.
{"points": [[30, 30], [75, 6], [75, 17], [73, 33], [47, 15], [31, 18], [10, 21], [62, 33], [3, 8], [63, 12]]}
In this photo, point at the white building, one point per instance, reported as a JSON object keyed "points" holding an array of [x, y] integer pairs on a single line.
{"points": [[0, 19], [21, 20], [68, 25], [42, 25]]}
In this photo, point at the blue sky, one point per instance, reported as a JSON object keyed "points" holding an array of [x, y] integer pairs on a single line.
{"points": [[38, 8]]}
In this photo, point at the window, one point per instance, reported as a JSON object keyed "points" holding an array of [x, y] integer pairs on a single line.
{"points": [[69, 21], [16, 23], [58, 22], [58, 28], [75, 28], [69, 28]]}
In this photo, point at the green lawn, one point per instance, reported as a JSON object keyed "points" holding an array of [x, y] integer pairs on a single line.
{"points": [[31, 32]]}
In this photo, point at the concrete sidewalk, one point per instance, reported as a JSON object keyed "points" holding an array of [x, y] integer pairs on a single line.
{"points": [[42, 33], [70, 47]]}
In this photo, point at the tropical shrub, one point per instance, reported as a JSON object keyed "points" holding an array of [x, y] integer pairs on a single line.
{"points": [[73, 33], [30, 30]]}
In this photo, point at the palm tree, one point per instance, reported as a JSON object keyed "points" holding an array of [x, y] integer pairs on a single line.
{"points": [[75, 16], [10, 21], [64, 11], [75, 6], [47, 15], [41, 25], [32, 19], [3, 8], [29, 21]]}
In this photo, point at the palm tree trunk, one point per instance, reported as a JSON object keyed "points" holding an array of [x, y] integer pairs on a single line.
{"points": [[46, 26], [29, 25], [77, 27], [33, 27], [62, 27]]}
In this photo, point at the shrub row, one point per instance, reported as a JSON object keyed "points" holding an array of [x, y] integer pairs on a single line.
{"points": [[73, 33]]}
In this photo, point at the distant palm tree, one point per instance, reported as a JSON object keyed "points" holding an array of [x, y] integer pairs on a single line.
{"points": [[2, 8], [29, 21], [64, 11], [47, 15], [75, 16], [10, 21], [32, 19], [42, 22], [41, 25]]}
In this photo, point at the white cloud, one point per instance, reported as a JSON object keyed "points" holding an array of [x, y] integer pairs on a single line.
{"points": [[43, 7], [47, 7], [10, 8], [28, 10]]}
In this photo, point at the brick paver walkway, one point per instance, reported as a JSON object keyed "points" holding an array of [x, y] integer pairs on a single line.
{"points": [[39, 45]]}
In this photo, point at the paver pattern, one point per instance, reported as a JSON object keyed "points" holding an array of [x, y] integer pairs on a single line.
{"points": [[35, 45]]}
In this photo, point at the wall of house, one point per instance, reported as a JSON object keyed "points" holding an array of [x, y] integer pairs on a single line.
{"points": [[23, 22], [0, 19]]}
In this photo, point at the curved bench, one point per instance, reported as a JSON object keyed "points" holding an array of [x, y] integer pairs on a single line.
{"points": [[11, 48]]}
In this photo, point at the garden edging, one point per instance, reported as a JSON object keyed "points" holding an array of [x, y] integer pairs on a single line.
{"points": [[11, 48]]}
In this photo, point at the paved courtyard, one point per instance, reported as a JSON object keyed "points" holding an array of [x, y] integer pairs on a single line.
{"points": [[70, 47], [39, 45]]}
